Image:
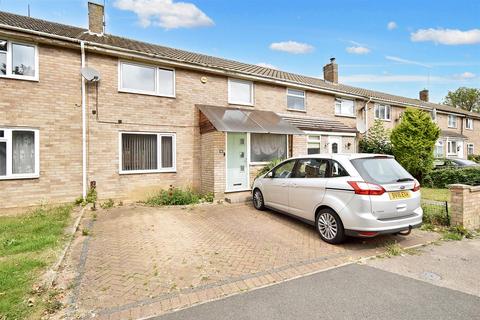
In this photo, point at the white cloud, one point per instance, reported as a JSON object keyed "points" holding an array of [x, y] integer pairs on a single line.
{"points": [[292, 47], [392, 25], [406, 61], [266, 65], [447, 36], [166, 13], [357, 50], [465, 76]]}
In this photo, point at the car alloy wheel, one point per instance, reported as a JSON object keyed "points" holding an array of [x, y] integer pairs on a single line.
{"points": [[258, 200], [327, 225]]}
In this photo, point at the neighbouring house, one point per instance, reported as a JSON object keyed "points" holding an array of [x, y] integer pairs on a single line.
{"points": [[143, 116]]}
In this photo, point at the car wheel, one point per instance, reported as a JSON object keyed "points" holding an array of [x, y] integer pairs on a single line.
{"points": [[258, 200], [330, 227]]}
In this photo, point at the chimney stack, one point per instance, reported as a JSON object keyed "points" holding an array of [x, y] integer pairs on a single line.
{"points": [[96, 18], [424, 95], [330, 71]]}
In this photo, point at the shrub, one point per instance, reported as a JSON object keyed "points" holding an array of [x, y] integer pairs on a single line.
{"points": [[377, 140], [413, 141], [107, 204], [443, 177], [269, 166], [474, 157], [91, 198], [173, 196]]}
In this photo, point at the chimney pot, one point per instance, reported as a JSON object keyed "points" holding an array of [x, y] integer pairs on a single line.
{"points": [[330, 71], [96, 18], [423, 95]]}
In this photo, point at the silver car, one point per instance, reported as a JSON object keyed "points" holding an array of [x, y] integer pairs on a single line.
{"points": [[360, 195]]}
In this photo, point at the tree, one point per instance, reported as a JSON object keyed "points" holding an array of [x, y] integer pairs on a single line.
{"points": [[377, 139], [464, 98], [413, 141]]}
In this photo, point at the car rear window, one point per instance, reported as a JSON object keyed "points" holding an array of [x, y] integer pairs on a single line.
{"points": [[380, 170]]}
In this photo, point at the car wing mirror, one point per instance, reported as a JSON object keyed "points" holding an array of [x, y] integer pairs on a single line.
{"points": [[269, 175]]}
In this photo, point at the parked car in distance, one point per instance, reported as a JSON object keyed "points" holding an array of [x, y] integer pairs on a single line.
{"points": [[454, 163], [360, 195]]}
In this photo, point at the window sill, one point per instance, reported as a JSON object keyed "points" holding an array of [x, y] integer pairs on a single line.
{"points": [[21, 177], [386, 120], [174, 170], [16, 77], [297, 110], [344, 115], [452, 127], [145, 93], [241, 104]]}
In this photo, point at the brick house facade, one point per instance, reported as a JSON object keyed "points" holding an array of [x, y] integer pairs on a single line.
{"points": [[41, 116]]}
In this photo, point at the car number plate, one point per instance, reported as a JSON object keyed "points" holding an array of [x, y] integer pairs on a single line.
{"points": [[399, 195]]}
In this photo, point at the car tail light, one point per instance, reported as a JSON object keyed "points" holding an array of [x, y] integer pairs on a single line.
{"points": [[367, 188], [416, 186]]}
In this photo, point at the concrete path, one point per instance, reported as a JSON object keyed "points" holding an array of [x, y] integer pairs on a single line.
{"points": [[350, 292]]}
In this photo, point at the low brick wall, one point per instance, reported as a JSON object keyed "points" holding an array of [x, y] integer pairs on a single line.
{"points": [[465, 205]]}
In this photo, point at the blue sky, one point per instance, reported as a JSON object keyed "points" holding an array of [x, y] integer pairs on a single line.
{"points": [[398, 46]]}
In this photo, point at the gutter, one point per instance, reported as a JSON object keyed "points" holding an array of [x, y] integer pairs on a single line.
{"points": [[84, 126], [114, 51]]}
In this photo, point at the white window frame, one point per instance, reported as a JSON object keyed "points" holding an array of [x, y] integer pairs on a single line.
{"points": [[433, 115], [159, 153], [8, 139], [386, 106], [449, 147], [310, 140], [470, 145], [249, 146], [252, 92], [467, 121], [452, 124], [304, 97], [9, 59], [156, 91], [353, 115], [441, 144]]}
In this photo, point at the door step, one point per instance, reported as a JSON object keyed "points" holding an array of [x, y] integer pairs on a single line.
{"points": [[238, 197]]}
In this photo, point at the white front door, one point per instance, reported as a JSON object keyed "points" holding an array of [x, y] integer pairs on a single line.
{"points": [[334, 144], [237, 166], [460, 149]]}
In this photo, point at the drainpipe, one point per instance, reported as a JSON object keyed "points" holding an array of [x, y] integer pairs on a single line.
{"points": [[366, 116], [84, 127]]}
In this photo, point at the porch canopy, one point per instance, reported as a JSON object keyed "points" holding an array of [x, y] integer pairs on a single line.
{"points": [[243, 120], [452, 135]]}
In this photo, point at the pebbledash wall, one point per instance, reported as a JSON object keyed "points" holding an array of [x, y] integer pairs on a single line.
{"points": [[51, 105]]}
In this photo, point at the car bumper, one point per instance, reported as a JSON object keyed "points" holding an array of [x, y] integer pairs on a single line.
{"points": [[373, 233]]}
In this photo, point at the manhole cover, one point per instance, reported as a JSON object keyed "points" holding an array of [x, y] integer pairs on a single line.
{"points": [[431, 276]]}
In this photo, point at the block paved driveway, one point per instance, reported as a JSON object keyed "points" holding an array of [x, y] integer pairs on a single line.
{"points": [[141, 261]]}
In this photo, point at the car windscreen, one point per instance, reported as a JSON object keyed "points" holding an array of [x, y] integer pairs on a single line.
{"points": [[381, 170]]}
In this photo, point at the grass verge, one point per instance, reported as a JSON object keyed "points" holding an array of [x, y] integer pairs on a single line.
{"points": [[28, 244], [435, 194]]}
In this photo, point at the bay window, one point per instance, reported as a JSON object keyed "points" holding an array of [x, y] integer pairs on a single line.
{"points": [[265, 147], [142, 152], [382, 112], [439, 152], [146, 79], [240, 92], [296, 99], [344, 107], [19, 153], [18, 60]]}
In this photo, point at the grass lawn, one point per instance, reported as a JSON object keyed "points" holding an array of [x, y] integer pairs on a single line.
{"points": [[28, 244], [436, 194]]}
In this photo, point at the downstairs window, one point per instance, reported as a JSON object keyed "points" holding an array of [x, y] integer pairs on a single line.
{"points": [[19, 153], [265, 147]]}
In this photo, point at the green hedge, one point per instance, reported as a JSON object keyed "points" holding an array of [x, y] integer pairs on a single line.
{"points": [[443, 177]]}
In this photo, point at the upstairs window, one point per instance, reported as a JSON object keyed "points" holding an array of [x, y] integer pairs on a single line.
{"points": [[452, 121], [145, 79], [18, 60], [382, 112], [240, 92], [469, 123], [433, 115], [344, 107], [296, 99], [19, 153]]}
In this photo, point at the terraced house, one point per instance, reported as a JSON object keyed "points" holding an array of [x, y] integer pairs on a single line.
{"points": [[80, 106]]}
